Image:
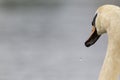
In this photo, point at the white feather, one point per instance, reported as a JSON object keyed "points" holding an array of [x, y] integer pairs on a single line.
{"points": [[108, 20]]}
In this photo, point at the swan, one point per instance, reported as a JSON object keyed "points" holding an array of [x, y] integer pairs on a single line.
{"points": [[107, 20]]}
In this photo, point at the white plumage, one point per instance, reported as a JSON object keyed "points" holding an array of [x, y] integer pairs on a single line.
{"points": [[108, 21]]}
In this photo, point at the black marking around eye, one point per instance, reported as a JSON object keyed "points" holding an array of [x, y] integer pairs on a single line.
{"points": [[93, 22]]}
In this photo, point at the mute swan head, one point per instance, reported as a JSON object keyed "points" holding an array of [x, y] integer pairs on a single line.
{"points": [[101, 22]]}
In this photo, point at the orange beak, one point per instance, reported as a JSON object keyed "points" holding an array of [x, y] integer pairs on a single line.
{"points": [[93, 38]]}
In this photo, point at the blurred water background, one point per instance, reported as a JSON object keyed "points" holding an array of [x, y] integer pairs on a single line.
{"points": [[44, 40]]}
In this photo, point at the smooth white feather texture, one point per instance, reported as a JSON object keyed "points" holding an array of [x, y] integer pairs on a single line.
{"points": [[108, 20]]}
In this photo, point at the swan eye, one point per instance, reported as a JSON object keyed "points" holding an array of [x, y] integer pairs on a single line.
{"points": [[94, 19]]}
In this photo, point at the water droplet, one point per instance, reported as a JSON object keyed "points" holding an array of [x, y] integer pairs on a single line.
{"points": [[81, 59]]}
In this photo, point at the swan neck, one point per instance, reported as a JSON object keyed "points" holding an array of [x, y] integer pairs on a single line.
{"points": [[111, 66]]}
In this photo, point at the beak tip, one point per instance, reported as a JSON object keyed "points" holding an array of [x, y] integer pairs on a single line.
{"points": [[87, 44]]}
